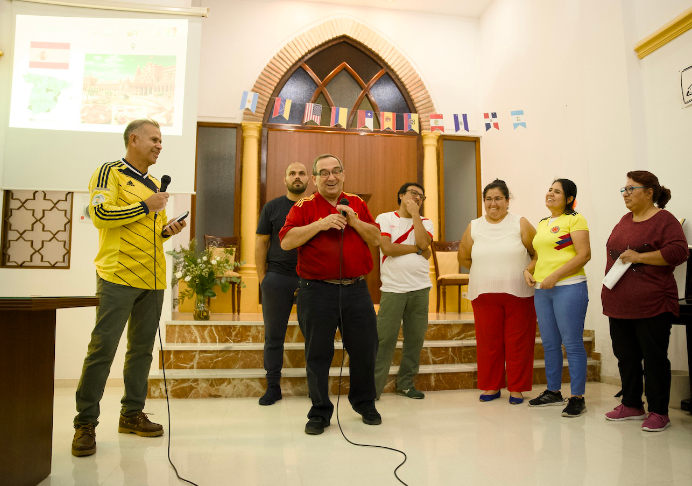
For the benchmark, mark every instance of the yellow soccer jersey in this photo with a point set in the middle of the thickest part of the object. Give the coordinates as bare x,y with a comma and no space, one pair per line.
127,231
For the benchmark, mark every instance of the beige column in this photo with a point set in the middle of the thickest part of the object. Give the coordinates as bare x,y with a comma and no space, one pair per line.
431,208
248,216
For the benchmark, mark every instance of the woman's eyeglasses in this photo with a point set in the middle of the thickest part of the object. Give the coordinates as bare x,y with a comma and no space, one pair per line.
629,189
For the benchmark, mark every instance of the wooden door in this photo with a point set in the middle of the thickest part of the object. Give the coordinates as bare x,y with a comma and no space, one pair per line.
375,166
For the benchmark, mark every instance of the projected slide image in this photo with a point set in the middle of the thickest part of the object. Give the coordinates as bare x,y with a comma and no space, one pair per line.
120,88
92,74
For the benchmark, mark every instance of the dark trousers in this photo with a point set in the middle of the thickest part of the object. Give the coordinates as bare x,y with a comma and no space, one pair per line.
318,316
277,300
647,339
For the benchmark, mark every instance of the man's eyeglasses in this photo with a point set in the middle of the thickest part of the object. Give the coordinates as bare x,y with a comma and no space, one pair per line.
629,189
496,199
336,172
416,194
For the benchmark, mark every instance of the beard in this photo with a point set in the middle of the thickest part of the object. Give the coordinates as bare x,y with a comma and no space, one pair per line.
296,189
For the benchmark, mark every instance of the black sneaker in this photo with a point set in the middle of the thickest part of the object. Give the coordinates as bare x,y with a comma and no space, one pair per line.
575,407
271,396
547,398
316,425
411,393
370,417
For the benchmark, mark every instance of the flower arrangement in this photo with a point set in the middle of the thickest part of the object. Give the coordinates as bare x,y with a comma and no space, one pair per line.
201,271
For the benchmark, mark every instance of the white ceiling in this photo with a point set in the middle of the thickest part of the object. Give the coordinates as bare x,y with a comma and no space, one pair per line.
463,8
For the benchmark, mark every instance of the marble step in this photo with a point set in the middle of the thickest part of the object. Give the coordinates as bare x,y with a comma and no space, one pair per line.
224,328
229,383
250,355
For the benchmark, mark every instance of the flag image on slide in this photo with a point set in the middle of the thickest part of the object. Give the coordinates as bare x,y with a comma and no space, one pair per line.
282,107
387,120
313,112
437,122
249,101
339,117
461,122
491,121
365,119
411,122
49,55
518,119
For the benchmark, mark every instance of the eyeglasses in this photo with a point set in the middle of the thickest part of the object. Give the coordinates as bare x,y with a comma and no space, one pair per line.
417,194
496,199
629,189
325,173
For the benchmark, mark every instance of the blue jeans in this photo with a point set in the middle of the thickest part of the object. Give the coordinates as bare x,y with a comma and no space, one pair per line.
561,312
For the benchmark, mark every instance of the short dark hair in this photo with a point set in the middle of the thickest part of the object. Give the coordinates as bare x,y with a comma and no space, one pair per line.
497,184
325,156
404,188
569,189
661,193
134,125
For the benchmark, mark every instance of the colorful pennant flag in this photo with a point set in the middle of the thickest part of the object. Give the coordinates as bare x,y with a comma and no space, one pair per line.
339,117
249,101
437,122
282,107
387,120
491,121
411,122
518,119
461,122
365,119
313,111
49,55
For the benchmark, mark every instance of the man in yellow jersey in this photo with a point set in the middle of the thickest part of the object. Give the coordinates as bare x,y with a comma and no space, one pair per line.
129,212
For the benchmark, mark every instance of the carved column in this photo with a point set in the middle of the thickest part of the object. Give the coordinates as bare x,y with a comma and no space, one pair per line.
249,214
431,208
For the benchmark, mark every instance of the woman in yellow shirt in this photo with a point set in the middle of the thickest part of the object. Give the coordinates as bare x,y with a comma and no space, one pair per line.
561,297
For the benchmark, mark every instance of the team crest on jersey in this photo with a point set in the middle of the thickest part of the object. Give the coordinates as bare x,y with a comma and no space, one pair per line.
555,229
97,199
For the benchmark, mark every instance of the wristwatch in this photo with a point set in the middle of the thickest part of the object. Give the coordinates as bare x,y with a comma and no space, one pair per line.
419,252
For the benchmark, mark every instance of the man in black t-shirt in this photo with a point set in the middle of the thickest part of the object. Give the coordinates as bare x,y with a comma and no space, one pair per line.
276,270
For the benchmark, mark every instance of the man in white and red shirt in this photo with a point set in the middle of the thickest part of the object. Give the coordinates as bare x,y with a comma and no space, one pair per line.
404,252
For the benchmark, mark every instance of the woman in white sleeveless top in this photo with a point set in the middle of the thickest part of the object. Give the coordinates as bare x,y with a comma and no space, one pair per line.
497,248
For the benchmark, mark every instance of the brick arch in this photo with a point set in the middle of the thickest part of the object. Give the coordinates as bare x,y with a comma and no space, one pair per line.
331,29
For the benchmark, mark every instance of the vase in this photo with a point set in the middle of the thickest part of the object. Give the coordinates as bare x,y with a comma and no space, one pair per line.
201,310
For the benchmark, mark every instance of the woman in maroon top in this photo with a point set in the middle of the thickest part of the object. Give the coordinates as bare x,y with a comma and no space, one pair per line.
642,303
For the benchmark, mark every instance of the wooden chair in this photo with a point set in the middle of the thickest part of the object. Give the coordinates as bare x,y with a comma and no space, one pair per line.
228,242
447,270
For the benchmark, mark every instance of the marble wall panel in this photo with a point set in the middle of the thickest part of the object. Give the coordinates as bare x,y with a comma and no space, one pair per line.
456,331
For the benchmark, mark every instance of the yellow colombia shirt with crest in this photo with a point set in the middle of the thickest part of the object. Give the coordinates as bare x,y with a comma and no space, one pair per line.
127,230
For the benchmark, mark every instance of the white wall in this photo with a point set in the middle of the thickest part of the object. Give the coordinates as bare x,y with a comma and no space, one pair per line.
240,37
571,67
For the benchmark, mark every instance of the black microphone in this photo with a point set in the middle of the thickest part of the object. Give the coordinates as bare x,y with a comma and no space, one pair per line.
343,202
165,180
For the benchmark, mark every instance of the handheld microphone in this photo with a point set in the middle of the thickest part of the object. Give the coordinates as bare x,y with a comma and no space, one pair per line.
165,180
343,202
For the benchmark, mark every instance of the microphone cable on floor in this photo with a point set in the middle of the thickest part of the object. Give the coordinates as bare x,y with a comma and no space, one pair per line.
163,361
341,370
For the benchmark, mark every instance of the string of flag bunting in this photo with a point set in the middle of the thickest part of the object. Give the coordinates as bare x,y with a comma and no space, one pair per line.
411,121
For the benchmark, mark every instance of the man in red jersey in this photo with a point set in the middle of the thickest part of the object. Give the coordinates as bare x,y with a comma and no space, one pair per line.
333,293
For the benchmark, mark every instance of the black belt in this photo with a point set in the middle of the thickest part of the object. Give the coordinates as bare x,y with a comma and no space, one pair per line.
345,281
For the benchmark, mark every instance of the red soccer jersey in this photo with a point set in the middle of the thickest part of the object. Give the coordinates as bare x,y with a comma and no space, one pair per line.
318,259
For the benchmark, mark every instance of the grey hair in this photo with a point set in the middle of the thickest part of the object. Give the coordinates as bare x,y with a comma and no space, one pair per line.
325,156
135,125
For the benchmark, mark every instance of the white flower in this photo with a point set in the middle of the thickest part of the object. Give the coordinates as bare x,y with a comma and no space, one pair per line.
199,261
179,275
187,279
215,262
204,258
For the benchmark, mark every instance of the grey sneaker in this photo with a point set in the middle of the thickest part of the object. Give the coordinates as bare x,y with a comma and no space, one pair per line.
546,399
411,393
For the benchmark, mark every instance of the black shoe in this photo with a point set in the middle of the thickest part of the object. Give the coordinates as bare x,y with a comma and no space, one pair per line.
575,407
271,396
547,398
370,417
316,425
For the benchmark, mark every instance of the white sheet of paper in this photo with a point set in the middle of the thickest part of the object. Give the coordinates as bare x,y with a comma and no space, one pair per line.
616,271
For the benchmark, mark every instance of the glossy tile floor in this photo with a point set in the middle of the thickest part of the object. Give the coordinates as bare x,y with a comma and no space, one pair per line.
450,438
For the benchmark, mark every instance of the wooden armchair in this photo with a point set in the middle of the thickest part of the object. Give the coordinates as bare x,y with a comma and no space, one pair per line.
228,242
447,270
